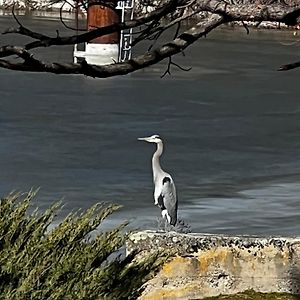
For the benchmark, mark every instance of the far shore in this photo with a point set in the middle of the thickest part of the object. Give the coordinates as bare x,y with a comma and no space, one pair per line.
51,14
54,13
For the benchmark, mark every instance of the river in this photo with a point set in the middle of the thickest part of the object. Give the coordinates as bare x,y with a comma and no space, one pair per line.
231,127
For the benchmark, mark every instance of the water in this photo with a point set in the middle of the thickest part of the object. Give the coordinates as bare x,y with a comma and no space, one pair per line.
231,127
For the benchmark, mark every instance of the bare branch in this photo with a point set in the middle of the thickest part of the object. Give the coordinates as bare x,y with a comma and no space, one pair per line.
181,68
62,20
45,41
254,12
231,12
20,52
157,31
14,15
177,30
158,34
167,14
24,31
167,72
180,43
289,66
171,63
246,27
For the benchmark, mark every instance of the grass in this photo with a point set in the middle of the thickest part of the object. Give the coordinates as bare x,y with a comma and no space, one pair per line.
252,295
65,263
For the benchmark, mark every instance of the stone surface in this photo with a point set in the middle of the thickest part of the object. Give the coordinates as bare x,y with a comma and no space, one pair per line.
208,265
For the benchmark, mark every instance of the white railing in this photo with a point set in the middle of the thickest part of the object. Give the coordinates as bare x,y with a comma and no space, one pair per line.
126,7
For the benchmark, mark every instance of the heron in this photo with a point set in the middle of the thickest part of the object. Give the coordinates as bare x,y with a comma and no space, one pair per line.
164,187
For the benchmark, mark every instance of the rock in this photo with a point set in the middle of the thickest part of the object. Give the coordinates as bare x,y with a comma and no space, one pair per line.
208,265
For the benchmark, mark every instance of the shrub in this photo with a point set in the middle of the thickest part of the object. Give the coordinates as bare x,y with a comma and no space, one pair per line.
65,262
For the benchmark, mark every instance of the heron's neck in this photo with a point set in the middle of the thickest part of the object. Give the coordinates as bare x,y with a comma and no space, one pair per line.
155,160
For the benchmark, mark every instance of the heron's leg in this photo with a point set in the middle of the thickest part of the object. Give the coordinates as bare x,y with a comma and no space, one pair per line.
166,225
160,224
167,220
164,214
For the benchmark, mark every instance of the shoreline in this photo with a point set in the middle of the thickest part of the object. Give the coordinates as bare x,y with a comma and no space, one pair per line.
54,13
47,14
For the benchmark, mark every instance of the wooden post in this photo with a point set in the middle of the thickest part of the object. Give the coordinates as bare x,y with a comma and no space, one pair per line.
105,49
99,15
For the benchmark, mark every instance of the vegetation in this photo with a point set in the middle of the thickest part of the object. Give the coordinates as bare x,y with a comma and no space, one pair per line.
66,262
252,295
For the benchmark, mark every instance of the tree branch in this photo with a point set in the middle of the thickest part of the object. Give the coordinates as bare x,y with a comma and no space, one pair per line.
142,61
252,12
157,31
232,12
289,66
45,41
171,12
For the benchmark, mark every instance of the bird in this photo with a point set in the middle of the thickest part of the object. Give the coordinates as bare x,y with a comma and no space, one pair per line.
164,188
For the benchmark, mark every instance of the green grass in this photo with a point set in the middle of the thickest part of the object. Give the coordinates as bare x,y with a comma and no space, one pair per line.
65,263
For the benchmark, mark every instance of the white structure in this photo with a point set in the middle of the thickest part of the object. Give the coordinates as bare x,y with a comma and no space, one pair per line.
98,54
103,54
126,8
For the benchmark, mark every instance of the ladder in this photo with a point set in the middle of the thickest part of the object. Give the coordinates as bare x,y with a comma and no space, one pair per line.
126,7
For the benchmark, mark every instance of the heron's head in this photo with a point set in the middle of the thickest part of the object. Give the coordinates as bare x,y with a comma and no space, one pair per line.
155,138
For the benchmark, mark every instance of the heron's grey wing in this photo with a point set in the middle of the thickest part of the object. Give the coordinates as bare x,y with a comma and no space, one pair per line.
169,198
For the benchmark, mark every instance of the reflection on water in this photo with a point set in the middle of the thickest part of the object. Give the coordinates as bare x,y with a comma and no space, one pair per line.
231,126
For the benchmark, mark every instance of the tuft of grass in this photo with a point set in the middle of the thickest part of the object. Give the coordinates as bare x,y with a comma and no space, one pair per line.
65,263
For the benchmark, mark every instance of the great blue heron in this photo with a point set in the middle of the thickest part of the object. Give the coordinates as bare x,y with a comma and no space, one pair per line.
164,187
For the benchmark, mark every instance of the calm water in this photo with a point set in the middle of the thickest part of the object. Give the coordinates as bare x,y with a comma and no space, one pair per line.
231,127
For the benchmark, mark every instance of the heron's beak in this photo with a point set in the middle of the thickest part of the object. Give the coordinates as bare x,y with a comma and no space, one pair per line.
146,139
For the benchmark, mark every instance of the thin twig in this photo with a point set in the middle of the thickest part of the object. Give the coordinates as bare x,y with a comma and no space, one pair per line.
156,32
181,68
63,22
167,71
155,40
246,27
177,30
14,16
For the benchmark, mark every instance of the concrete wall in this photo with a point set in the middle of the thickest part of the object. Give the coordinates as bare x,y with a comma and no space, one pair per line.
209,265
